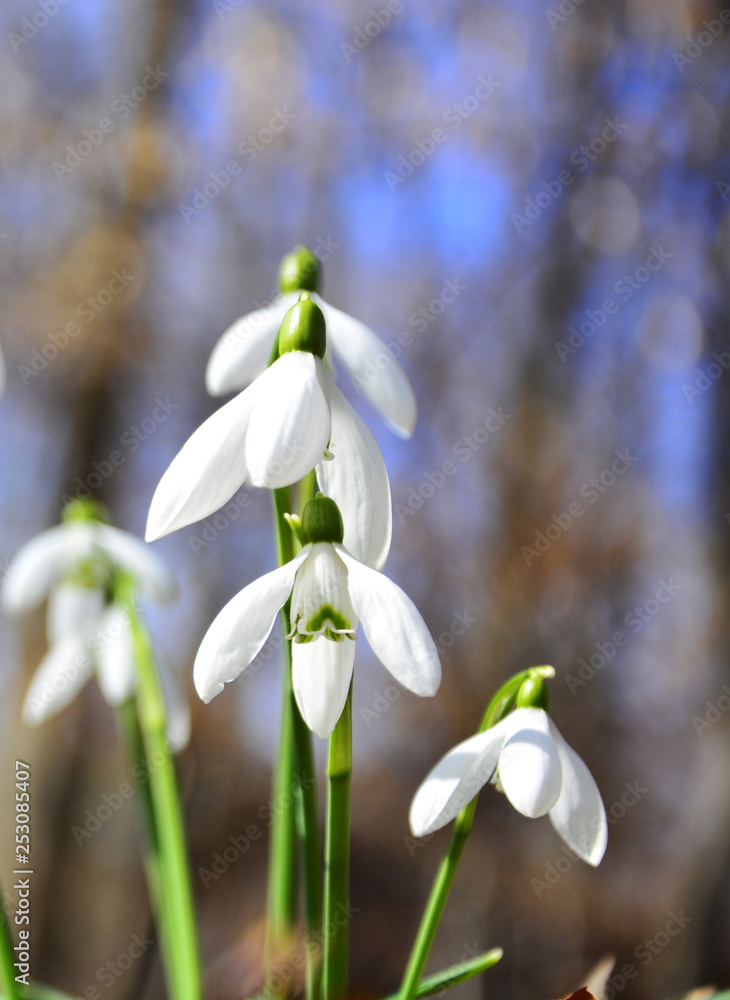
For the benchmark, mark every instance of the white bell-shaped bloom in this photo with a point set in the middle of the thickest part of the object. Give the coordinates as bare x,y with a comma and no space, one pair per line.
538,772
54,554
290,420
73,565
331,593
243,351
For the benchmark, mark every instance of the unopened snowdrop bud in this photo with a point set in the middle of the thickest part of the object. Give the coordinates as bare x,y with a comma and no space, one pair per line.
322,521
85,510
303,328
534,694
300,271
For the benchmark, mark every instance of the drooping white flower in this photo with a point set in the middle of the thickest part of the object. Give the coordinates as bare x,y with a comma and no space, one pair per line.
536,769
290,420
243,350
331,593
74,566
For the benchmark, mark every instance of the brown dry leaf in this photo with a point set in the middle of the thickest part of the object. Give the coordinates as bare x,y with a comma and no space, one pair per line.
597,979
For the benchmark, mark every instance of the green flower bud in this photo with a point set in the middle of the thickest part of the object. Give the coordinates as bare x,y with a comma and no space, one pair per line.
303,328
533,694
85,510
300,270
322,521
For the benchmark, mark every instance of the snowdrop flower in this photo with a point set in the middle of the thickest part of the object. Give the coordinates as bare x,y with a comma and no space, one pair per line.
243,350
75,565
292,419
331,592
536,769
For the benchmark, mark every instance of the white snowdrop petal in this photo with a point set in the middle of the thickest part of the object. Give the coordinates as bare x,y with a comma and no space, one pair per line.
63,671
207,470
321,674
243,351
72,610
455,780
290,423
394,628
357,480
378,375
41,562
242,627
153,576
529,767
113,648
579,816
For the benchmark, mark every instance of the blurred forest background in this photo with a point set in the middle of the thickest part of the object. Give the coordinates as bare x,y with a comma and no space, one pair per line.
557,256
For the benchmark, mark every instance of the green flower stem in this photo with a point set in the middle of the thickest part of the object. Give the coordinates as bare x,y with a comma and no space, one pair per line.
295,769
11,990
455,974
436,903
309,814
282,890
174,874
131,736
308,827
337,857
282,898
502,702
307,489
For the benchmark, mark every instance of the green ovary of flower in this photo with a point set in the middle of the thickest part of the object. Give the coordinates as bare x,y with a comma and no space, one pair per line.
533,694
303,328
85,510
322,521
300,271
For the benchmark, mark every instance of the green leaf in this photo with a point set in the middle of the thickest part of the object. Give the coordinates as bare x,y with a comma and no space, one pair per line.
455,974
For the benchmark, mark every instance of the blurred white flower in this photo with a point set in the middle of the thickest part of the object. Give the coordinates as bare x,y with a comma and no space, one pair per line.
74,566
331,592
290,420
538,772
243,350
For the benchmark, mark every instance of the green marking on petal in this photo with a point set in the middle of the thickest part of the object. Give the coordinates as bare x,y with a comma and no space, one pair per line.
94,574
336,621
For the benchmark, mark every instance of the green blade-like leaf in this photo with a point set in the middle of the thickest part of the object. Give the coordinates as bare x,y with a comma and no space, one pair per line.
455,974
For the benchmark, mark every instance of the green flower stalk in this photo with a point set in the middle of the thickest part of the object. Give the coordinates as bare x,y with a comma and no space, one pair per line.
539,773
91,572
